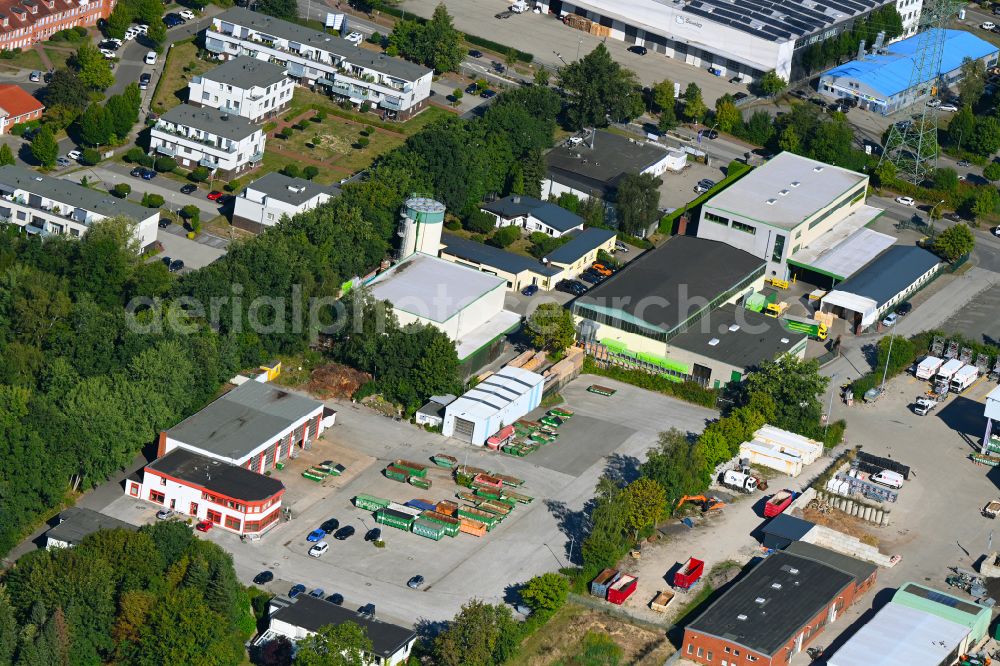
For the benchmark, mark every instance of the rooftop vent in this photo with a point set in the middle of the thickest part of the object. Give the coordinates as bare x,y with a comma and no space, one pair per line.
759,600
713,342
733,328
775,586
784,341
793,571
783,193
770,202
795,183
741,617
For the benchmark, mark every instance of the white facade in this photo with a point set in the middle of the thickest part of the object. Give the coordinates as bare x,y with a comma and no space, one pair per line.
319,59
207,137
910,11
47,206
223,89
497,401
266,200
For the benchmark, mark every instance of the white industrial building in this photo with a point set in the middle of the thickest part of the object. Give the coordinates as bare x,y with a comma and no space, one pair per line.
902,636
497,401
226,144
50,206
271,197
319,60
782,450
254,89
732,38
783,208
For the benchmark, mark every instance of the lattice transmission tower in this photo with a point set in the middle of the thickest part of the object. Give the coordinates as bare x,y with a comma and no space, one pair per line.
912,145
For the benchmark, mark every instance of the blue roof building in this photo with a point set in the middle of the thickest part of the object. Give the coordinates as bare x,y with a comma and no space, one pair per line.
881,83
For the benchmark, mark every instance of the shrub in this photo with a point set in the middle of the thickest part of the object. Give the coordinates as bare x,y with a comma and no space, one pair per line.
200,174
480,222
292,171
80,30
452,225
90,157
363,142
320,116
121,190
164,164
147,160
134,154
232,185
190,212
504,236
283,134
301,125
152,200
310,172
366,107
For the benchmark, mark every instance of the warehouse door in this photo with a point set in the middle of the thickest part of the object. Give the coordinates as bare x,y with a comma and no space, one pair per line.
464,430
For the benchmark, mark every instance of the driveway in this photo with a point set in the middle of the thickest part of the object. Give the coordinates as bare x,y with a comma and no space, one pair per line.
194,253
110,173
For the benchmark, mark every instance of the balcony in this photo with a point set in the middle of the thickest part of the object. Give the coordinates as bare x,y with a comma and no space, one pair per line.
164,150
256,157
193,139
208,163
229,109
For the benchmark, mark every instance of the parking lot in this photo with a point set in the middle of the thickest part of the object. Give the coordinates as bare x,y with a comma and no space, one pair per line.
678,188
978,319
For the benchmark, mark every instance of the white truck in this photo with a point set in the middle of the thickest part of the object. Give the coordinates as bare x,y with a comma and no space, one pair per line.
519,6
739,481
924,405
964,378
928,367
942,380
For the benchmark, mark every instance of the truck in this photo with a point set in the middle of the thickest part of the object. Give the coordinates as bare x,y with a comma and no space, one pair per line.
689,574
942,380
599,586
739,481
928,367
924,405
779,502
622,589
964,378
811,327
519,6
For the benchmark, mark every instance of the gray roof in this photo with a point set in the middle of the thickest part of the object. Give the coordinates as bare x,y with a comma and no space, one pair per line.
779,20
378,62
213,475
70,194
276,186
581,243
517,205
787,527
243,419
77,523
806,588
213,121
245,72
311,613
660,287
493,257
758,337
599,169
860,569
890,273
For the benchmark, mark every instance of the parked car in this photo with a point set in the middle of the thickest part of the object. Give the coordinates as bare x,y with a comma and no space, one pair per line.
204,526
591,278
189,188
368,610
163,223
316,535
488,94
166,261
530,290
107,53
317,592
163,514
263,577
172,20
176,265
344,533
948,107
475,53
144,80
74,154
710,134
319,549
906,201
35,76
141,29
471,89
330,526
150,58
571,287
638,50
373,534
890,320
144,173
996,231
355,38
988,25
415,582
336,599
904,308
933,103
63,162
296,590
740,95
187,15
964,163
602,270
214,195
621,247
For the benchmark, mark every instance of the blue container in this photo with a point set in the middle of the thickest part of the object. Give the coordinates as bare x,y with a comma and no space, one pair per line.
422,505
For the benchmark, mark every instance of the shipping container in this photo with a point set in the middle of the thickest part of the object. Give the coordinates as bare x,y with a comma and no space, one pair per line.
393,518
396,473
495,506
414,469
468,497
490,519
402,508
622,589
510,480
447,507
599,586
370,502
518,497
473,527
421,504
427,529
488,492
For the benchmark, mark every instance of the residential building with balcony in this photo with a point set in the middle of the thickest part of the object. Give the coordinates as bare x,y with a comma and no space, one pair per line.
26,22
397,88
44,205
222,142
247,87
273,196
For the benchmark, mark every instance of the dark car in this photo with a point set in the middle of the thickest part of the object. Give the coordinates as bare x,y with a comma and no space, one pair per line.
296,590
214,195
475,53
164,223
488,94
740,95
189,188
330,526
225,199
904,308
166,261
638,50
415,582
368,610
336,599
136,172
373,534
471,89
710,134
110,45
172,20
263,577
530,290
148,174
144,81
571,287
344,533
592,278
318,593
176,265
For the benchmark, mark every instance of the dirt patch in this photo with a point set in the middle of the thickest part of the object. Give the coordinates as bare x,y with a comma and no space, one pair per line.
336,381
332,143
840,521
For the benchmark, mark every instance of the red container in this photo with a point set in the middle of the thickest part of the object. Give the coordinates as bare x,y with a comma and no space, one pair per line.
622,589
779,502
689,574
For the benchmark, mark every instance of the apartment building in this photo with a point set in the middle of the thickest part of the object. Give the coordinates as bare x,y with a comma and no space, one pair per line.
274,195
223,142
247,87
17,106
25,22
45,206
397,88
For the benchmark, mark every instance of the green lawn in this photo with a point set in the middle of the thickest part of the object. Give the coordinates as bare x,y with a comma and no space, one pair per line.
304,99
27,59
172,88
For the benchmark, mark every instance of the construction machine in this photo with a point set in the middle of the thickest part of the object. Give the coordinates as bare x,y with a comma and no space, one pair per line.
706,503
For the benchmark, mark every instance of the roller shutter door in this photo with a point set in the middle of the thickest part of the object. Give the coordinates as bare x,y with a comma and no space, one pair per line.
464,429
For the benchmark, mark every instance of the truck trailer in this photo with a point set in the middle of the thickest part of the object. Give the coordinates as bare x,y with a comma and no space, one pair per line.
928,367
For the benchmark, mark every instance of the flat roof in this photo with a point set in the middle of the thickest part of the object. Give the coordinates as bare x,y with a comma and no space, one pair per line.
493,257
582,242
501,323
495,393
890,273
216,476
396,67
890,73
993,404
838,256
246,72
786,526
237,423
860,569
69,193
900,636
665,286
792,591
942,604
756,338
205,118
293,191
311,614
77,522
602,166
785,191
432,288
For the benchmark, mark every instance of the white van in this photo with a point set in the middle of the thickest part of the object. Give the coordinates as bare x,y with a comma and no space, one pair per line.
887,478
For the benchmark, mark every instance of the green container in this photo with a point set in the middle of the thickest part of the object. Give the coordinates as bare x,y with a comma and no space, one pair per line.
396,474
370,502
426,528
506,501
312,477
411,468
450,525
488,493
490,519
394,519
493,511
518,497
423,484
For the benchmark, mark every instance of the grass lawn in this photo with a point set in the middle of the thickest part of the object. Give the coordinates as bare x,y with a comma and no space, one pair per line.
59,55
27,59
304,99
172,88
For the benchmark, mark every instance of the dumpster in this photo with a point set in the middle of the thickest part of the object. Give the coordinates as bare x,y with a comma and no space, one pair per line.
599,586
444,460
412,468
449,524
402,508
394,518
370,502
396,473
489,519
622,589
417,482
473,527
602,390
509,480
447,507
689,574
421,504
425,528
469,497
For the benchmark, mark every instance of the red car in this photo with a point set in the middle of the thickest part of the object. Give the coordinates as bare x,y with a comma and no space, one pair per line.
214,195
204,526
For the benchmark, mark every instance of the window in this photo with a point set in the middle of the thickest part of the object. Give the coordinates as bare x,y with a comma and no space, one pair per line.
701,652
690,648
746,228
750,657
736,652
134,490
214,516
779,248
156,496
232,523
163,480
709,656
718,219
726,650
193,510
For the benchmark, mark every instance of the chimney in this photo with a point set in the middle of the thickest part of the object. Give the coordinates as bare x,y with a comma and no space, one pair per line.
516,198
861,50
161,446
878,41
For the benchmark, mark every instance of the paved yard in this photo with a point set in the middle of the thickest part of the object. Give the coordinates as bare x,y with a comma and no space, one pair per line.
978,319
678,188
193,253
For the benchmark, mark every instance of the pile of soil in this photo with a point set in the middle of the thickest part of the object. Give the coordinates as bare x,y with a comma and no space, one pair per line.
840,521
336,381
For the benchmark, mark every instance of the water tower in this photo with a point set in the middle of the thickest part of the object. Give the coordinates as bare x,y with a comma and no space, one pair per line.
420,226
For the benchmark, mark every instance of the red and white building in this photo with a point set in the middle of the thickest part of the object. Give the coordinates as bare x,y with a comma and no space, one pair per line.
255,426
25,22
17,106
233,498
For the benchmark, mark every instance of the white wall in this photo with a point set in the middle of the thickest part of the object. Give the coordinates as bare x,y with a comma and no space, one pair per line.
205,92
295,633
258,207
189,150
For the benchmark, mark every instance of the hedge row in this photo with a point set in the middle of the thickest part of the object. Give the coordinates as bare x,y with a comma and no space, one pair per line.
687,391
734,172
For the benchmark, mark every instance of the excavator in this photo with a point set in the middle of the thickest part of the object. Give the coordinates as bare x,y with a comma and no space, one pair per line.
706,503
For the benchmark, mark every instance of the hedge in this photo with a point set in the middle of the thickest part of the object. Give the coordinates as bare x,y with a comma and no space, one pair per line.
734,172
687,391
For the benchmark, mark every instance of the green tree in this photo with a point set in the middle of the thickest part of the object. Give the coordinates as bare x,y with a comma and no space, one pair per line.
638,202
346,644
546,593
310,172
991,171
760,128
44,147
122,114
885,173
972,82
663,96
92,67
283,9
794,386
599,88
945,179
479,222
65,89
789,140
505,236
90,156
119,21
646,500
694,105
164,164
456,95
954,242
771,83
606,542
157,35
444,40
6,156
961,126
542,77
985,138
121,190
96,126
677,464
150,200
8,629
551,327
199,174
727,115
480,635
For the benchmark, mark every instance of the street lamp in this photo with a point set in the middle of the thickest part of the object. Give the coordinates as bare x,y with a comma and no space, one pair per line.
931,216
887,357
578,45
959,146
829,410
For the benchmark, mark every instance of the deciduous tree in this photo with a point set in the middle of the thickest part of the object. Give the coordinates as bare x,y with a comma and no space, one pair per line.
955,241
44,147
480,635
334,645
600,89
546,593
92,67
646,500
638,202
694,105
551,327
6,155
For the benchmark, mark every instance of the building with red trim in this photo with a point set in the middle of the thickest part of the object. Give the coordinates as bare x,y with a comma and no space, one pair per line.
255,426
25,22
17,105
204,488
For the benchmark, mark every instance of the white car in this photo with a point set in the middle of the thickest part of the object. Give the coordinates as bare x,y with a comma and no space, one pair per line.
108,53
74,154
130,35
355,38
906,201
996,231
187,15
933,103
319,549
142,28
151,58
890,320
988,25
948,107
